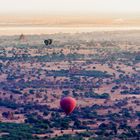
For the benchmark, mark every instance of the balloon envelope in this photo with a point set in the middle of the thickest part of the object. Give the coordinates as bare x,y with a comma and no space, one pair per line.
48,42
68,104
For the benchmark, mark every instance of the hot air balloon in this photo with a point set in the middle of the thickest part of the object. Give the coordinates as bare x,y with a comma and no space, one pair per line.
48,42
68,104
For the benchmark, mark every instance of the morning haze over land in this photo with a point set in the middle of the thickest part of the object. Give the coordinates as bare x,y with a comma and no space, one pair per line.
70,13
69,69
37,17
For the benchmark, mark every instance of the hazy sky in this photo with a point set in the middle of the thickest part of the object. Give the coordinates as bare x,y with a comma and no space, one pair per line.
120,10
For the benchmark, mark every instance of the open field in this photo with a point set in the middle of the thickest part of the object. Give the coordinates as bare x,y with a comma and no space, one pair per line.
101,70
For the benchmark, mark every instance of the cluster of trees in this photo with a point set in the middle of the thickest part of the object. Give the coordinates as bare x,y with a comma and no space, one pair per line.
97,74
17,131
97,96
9,104
133,91
68,137
43,58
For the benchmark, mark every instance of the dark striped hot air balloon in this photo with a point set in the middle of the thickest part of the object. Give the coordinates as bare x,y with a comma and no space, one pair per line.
48,42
